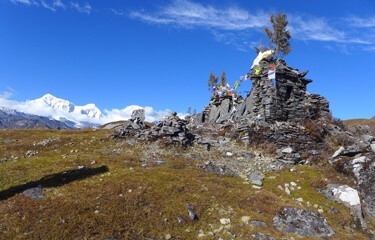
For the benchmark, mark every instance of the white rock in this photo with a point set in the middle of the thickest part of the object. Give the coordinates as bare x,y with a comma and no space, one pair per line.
201,233
287,190
287,150
293,184
229,154
299,199
245,219
346,195
373,147
225,221
168,236
359,160
338,152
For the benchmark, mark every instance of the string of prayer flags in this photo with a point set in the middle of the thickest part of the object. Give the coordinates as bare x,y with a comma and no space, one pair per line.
271,74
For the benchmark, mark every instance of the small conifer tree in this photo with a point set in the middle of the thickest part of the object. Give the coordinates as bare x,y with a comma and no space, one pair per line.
223,79
212,81
279,36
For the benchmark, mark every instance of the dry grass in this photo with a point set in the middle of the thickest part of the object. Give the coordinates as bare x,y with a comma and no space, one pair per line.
134,202
370,122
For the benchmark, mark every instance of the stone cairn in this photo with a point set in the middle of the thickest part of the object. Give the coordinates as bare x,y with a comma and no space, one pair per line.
172,129
284,100
134,125
271,113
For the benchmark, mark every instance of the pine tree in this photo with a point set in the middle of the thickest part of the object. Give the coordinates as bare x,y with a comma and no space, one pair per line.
279,37
212,81
223,79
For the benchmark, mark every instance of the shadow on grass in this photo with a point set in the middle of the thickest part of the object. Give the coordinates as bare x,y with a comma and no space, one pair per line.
54,180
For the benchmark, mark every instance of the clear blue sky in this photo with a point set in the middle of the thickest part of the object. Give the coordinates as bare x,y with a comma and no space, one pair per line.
160,53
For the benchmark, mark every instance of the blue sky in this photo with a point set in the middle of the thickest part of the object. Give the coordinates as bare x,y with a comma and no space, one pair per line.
160,53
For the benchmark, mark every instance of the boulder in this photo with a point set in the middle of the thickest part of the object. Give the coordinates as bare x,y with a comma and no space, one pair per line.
302,222
138,114
256,178
349,197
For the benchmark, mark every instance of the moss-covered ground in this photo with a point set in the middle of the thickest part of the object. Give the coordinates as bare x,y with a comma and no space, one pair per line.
131,201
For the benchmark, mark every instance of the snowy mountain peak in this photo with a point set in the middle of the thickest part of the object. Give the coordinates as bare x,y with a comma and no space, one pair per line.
90,110
56,103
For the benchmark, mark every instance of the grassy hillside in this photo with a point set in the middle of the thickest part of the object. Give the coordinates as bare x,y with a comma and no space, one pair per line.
370,122
99,188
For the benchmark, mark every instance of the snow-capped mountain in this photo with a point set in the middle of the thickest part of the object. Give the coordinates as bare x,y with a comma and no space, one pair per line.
90,110
55,103
65,106
74,116
63,110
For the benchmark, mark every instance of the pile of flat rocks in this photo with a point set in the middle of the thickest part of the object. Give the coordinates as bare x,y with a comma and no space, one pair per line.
134,125
172,129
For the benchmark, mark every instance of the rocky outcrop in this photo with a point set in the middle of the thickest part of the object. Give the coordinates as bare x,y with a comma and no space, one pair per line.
302,222
358,159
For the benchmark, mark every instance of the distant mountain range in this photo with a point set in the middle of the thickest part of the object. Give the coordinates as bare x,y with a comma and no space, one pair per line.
12,119
51,113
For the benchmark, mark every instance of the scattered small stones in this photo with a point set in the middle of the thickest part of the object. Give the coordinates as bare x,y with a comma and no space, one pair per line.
31,153
209,166
46,142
